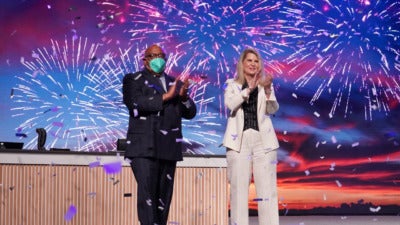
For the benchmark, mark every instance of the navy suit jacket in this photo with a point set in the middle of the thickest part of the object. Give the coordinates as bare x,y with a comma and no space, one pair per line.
155,127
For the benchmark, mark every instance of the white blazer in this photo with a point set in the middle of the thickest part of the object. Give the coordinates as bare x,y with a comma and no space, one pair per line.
234,96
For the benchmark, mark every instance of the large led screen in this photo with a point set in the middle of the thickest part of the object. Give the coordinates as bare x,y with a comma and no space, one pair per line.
335,64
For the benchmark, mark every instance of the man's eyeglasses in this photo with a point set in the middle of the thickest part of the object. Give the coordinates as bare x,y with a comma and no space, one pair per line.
153,55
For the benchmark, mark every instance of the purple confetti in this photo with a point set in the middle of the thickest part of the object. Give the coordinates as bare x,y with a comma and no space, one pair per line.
355,144
58,124
70,213
338,183
21,135
234,136
94,164
374,209
113,167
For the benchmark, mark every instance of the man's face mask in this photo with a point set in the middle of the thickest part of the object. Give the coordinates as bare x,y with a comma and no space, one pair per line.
157,65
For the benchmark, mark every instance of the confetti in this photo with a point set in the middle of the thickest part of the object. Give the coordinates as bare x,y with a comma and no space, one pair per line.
94,164
138,76
355,144
234,136
333,139
286,212
71,212
127,160
21,135
112,167
332,168
377,209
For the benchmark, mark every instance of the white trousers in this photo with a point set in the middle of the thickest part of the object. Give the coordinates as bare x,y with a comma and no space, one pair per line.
253,160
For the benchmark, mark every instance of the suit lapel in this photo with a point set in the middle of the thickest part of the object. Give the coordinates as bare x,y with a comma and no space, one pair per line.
260,98
168,81
155,83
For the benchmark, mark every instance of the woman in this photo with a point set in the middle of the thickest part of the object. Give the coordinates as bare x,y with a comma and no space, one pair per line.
251,141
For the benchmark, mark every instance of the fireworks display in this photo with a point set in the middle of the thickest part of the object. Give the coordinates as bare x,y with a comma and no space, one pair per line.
71,92
205,40
355,52
207,36
341,49
344,53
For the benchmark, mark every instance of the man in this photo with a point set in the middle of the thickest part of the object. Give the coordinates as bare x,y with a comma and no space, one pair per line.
156,104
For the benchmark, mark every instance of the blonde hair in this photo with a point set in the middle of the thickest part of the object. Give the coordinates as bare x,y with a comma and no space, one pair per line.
239,68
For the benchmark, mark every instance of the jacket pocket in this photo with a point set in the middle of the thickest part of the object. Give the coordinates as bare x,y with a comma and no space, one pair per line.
141,133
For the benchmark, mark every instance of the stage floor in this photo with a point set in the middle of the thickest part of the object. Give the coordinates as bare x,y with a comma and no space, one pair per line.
335,220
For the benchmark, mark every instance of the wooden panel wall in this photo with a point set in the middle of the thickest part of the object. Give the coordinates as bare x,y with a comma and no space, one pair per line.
42,195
